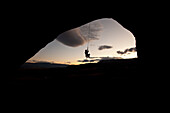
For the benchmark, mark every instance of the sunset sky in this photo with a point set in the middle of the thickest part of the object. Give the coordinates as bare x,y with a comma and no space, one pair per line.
107,38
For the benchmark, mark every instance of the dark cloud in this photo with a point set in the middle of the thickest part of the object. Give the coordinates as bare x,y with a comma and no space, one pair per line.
91,60
81,35
71,38
83,60
97,59
127,50
120,52
104,47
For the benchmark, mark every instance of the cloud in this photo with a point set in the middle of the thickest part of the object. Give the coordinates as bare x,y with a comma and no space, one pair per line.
127,50
104,47
81,35
98,59
91,60
72,38
91,31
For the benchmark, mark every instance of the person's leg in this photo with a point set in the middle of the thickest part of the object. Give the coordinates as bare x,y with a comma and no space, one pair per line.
89,55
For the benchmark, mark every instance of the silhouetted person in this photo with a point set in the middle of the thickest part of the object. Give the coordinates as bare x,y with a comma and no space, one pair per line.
87,53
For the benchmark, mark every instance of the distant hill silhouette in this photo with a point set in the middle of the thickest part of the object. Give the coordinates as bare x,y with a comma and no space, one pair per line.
42,65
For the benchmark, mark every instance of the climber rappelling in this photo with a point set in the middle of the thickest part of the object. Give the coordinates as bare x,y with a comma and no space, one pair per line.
87,54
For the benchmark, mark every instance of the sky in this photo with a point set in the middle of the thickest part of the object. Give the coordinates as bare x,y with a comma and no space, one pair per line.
105,38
